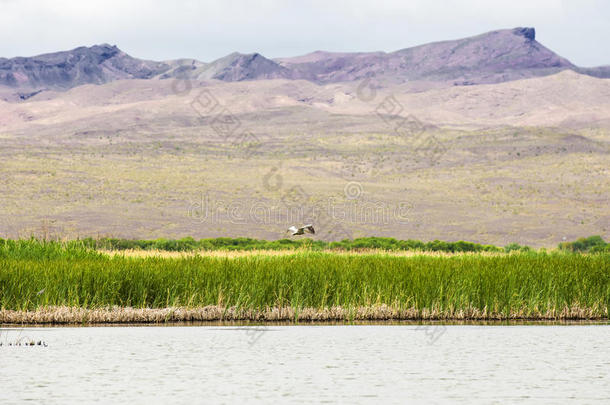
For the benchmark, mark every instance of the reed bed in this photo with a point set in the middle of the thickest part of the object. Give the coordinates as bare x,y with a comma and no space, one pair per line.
88,286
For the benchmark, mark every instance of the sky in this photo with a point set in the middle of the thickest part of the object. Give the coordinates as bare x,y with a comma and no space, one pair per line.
207,30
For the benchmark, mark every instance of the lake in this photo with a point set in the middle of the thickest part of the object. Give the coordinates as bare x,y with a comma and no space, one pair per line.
303,364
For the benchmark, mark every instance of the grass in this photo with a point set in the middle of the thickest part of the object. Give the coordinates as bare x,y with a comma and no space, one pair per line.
36,276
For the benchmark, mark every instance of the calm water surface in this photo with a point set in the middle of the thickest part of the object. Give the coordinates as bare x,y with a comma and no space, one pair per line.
303,364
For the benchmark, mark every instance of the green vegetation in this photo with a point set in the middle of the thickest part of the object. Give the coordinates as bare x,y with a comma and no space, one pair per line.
190,244
37,274
592,244
34,248
515,247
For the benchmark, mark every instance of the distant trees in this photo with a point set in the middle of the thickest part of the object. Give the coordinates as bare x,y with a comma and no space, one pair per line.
515,247
33,247
592,244
187,244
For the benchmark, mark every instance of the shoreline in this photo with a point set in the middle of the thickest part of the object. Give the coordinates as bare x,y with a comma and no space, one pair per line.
382,313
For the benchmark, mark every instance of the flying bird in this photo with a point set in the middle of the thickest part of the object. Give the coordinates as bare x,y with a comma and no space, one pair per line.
300,231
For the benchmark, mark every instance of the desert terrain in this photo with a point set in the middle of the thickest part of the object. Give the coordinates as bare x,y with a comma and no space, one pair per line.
495,160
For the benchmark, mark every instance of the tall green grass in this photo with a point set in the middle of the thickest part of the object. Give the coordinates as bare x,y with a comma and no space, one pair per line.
34,249
525,282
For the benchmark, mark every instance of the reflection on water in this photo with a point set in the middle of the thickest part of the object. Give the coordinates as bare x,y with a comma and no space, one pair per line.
322,363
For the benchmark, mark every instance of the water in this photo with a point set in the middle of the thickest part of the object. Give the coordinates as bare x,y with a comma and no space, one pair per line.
291,364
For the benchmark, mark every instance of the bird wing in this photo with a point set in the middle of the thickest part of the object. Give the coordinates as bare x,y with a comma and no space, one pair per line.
292,229
309,228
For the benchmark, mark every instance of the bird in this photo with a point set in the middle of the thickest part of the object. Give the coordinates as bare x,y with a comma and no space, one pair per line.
300,231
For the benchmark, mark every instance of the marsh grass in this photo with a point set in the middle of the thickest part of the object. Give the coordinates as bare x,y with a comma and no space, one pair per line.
304,285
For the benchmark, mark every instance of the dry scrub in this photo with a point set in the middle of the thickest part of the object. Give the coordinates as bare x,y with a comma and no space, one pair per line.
73,315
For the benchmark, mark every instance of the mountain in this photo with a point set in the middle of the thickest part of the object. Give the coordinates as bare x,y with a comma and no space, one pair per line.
180,68
231,68
237,67
493,57
602,72
84,65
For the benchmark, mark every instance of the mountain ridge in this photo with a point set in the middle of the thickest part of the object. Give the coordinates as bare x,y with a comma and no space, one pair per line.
491,57
97,64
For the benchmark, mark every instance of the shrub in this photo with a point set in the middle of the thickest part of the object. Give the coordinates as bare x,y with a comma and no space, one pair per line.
592,243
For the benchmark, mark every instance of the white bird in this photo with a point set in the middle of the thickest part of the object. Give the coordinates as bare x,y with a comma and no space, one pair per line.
300,231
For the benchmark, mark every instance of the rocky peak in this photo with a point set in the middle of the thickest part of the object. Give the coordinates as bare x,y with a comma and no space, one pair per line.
529,33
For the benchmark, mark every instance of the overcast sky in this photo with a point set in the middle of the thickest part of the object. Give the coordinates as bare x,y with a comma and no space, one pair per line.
163,29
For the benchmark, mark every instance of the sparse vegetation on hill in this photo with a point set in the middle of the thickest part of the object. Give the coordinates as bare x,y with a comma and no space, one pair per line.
142,160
